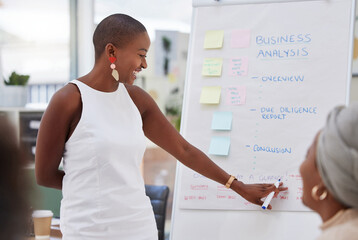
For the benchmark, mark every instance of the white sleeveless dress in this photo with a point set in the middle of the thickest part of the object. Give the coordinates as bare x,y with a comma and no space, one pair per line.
103,190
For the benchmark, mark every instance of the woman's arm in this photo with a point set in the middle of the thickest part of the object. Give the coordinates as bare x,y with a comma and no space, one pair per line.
53,132
159,130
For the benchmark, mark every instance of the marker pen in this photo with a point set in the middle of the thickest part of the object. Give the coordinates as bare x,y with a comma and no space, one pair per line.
270,196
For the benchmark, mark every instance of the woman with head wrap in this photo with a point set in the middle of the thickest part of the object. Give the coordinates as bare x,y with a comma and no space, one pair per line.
330,175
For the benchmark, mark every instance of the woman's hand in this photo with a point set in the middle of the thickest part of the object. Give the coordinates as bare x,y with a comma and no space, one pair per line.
255,192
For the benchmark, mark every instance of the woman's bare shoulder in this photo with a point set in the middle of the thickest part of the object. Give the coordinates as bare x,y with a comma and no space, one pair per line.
133,90
145,103
140,97
68,98
68,91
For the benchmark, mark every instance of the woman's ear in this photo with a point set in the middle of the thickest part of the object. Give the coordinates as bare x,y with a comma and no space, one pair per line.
110,50
319,192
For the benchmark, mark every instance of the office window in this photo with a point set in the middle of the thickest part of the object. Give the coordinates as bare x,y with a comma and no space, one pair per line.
155,14
34,40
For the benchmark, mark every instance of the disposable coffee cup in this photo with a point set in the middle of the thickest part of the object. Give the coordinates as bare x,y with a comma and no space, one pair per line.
42,223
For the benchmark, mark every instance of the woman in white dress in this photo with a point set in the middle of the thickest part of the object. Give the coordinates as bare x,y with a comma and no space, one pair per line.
98,124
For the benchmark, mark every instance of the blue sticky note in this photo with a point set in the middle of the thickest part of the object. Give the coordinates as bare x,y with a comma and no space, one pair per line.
219,146
222,121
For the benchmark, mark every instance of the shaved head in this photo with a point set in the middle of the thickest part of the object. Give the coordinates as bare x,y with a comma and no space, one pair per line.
118,29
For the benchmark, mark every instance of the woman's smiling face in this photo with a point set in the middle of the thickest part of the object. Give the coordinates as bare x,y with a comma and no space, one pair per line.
132,58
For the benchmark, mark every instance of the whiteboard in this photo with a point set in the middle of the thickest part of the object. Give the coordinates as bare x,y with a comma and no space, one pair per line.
298,68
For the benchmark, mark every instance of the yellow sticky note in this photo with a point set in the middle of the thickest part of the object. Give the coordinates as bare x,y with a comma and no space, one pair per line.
212,67
172,78
213,39
210,95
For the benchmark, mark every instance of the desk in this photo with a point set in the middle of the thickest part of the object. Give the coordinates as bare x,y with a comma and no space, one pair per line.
54,235
51,238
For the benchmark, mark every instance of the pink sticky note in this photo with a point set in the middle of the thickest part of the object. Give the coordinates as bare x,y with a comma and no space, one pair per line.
240,38
239,66
236,95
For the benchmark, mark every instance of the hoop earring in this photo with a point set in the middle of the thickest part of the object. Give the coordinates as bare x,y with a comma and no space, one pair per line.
113,67
318,197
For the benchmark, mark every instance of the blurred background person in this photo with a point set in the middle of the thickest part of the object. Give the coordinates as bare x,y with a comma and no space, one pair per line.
14,213
330,175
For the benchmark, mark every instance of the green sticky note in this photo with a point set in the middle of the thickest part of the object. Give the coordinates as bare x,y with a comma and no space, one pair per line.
213,39
212,67
219,146
210,95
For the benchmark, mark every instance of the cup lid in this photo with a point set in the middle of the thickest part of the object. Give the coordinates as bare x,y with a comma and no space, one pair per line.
42,213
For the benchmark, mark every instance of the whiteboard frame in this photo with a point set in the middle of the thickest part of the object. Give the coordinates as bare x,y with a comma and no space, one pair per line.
350,57
206,3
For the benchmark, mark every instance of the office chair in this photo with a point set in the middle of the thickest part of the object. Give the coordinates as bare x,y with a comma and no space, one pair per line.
158,196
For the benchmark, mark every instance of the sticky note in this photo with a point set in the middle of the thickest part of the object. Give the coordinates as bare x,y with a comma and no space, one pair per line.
236,95
240,38
239,66
221,121
172,78
213,39
219,146
212,67
210,95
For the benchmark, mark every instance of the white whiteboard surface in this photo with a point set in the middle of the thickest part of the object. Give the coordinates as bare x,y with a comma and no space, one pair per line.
323,67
